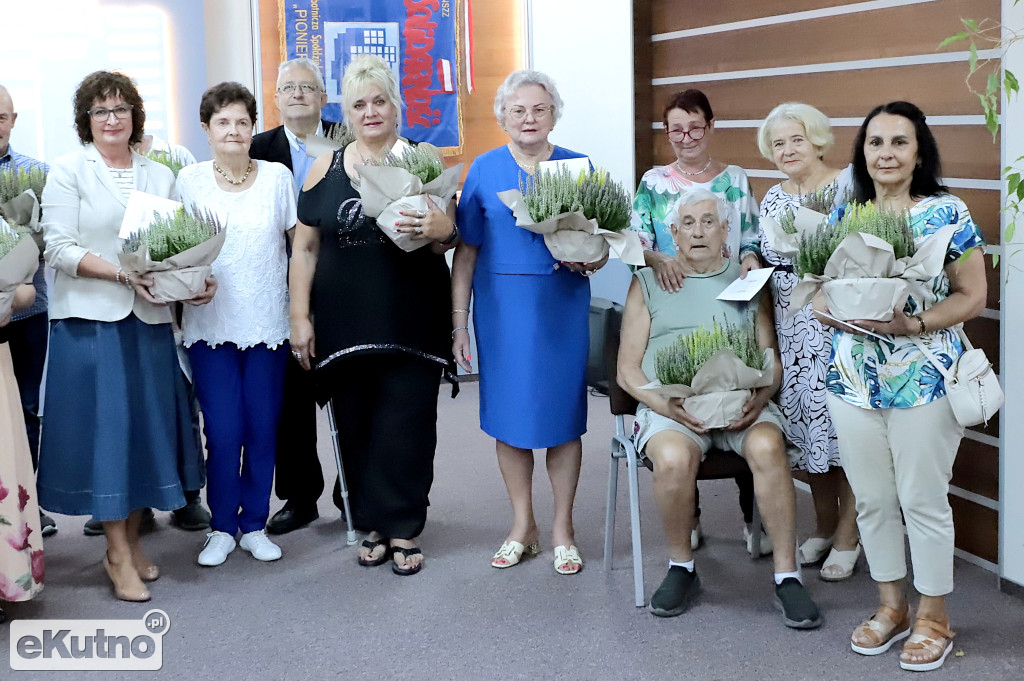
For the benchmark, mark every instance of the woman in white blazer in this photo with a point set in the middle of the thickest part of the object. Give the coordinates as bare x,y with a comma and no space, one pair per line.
118,433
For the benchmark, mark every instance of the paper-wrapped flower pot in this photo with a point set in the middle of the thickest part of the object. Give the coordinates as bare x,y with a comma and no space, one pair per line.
717,409
181,284
873,299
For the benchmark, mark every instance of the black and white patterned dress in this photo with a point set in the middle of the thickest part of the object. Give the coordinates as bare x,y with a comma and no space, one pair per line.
804,346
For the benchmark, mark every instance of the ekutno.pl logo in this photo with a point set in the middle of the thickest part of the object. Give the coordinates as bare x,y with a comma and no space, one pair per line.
89,644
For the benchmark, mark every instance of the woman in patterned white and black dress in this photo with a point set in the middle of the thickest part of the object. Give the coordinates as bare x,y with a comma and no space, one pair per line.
795,137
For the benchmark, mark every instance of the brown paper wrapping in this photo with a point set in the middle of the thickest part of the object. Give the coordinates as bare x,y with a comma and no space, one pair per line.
867,261
16,268
720,387
22,210
180,277
385,191
571,237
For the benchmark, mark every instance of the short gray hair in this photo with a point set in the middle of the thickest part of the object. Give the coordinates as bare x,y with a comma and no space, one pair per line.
365,70
694,196
302,63
518,79
817,128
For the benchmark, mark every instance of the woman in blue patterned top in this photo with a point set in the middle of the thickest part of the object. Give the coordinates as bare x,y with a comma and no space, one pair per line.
897,434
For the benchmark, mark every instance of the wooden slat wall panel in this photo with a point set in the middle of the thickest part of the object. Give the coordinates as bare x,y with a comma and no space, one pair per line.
984,334
968,151
977,469
977,528
895,32
270,59
851,96
677,15
642,94
962,148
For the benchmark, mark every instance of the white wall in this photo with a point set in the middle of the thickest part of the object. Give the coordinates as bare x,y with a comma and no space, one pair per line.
587,47
1011,501
158,43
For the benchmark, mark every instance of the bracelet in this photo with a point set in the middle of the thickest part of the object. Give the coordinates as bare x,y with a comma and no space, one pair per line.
451,237
128,279
117,275
459,328
458,311
920,321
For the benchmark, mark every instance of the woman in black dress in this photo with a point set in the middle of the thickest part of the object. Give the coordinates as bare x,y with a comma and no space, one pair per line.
373,321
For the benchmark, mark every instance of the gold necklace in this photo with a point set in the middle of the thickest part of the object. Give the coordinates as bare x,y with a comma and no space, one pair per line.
529,167
228,178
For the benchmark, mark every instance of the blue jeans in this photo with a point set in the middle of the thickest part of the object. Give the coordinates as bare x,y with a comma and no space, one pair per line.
240,393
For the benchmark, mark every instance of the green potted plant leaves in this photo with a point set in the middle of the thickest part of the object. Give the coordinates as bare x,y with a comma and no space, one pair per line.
583,217
19,259
177,249
713,371
409,178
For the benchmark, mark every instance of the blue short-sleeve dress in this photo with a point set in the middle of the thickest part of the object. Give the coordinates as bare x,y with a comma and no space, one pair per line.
530,316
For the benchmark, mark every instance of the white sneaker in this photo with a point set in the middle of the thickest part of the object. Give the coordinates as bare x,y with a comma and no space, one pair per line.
748,540
696,537
216,549
259,545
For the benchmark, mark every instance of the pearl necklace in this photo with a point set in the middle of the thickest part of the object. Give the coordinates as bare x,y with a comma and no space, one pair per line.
228,178
529,167
686,172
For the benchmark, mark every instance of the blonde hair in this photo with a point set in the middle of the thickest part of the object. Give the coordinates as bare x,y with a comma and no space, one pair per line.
816,126
363,71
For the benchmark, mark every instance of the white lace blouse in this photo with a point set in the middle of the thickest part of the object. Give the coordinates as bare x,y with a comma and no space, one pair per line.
251,304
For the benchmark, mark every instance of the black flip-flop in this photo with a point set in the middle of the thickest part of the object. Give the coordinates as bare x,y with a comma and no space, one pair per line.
405,572
372,545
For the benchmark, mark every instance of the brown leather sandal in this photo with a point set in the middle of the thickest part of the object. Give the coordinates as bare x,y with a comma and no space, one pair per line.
932,636
882,634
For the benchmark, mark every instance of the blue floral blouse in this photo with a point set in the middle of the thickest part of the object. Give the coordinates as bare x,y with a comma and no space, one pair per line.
875,374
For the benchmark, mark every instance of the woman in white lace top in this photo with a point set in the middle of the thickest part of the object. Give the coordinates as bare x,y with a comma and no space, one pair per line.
238,344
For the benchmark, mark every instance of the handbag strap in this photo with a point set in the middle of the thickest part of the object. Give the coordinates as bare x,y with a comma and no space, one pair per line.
946,373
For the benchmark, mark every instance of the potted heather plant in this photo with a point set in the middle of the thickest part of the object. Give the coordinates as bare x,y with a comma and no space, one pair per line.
19,259
583,218
409,178
169,159
336,137
784,234
20,192
713,371
177,249
864,260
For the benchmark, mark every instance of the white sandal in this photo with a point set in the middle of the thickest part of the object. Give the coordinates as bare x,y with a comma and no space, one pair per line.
813,550
511,552
567,560
842,562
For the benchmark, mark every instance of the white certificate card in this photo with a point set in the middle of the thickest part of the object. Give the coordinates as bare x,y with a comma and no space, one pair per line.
743,290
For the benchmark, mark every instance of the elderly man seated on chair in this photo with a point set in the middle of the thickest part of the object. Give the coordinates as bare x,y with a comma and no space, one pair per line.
675,441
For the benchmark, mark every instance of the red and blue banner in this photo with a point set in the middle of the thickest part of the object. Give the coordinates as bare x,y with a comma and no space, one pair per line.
417,38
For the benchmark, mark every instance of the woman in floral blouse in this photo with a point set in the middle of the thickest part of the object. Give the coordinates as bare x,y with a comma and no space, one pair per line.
897,433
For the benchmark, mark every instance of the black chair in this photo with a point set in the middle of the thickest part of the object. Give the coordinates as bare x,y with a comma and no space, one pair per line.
606,321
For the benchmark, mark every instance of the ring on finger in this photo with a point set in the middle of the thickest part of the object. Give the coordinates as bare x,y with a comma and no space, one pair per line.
421,213
419,231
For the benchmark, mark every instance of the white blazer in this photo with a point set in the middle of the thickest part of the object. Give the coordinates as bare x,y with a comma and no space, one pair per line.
82,212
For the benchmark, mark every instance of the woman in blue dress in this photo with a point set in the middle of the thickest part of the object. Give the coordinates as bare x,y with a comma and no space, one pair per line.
530,320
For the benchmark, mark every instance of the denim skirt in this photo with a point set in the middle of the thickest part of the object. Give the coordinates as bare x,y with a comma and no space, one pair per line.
117,429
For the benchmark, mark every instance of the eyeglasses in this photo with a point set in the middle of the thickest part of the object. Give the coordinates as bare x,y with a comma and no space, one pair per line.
120,112
304,88
518,113
678,135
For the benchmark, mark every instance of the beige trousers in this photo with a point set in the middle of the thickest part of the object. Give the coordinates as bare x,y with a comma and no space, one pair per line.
902,459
